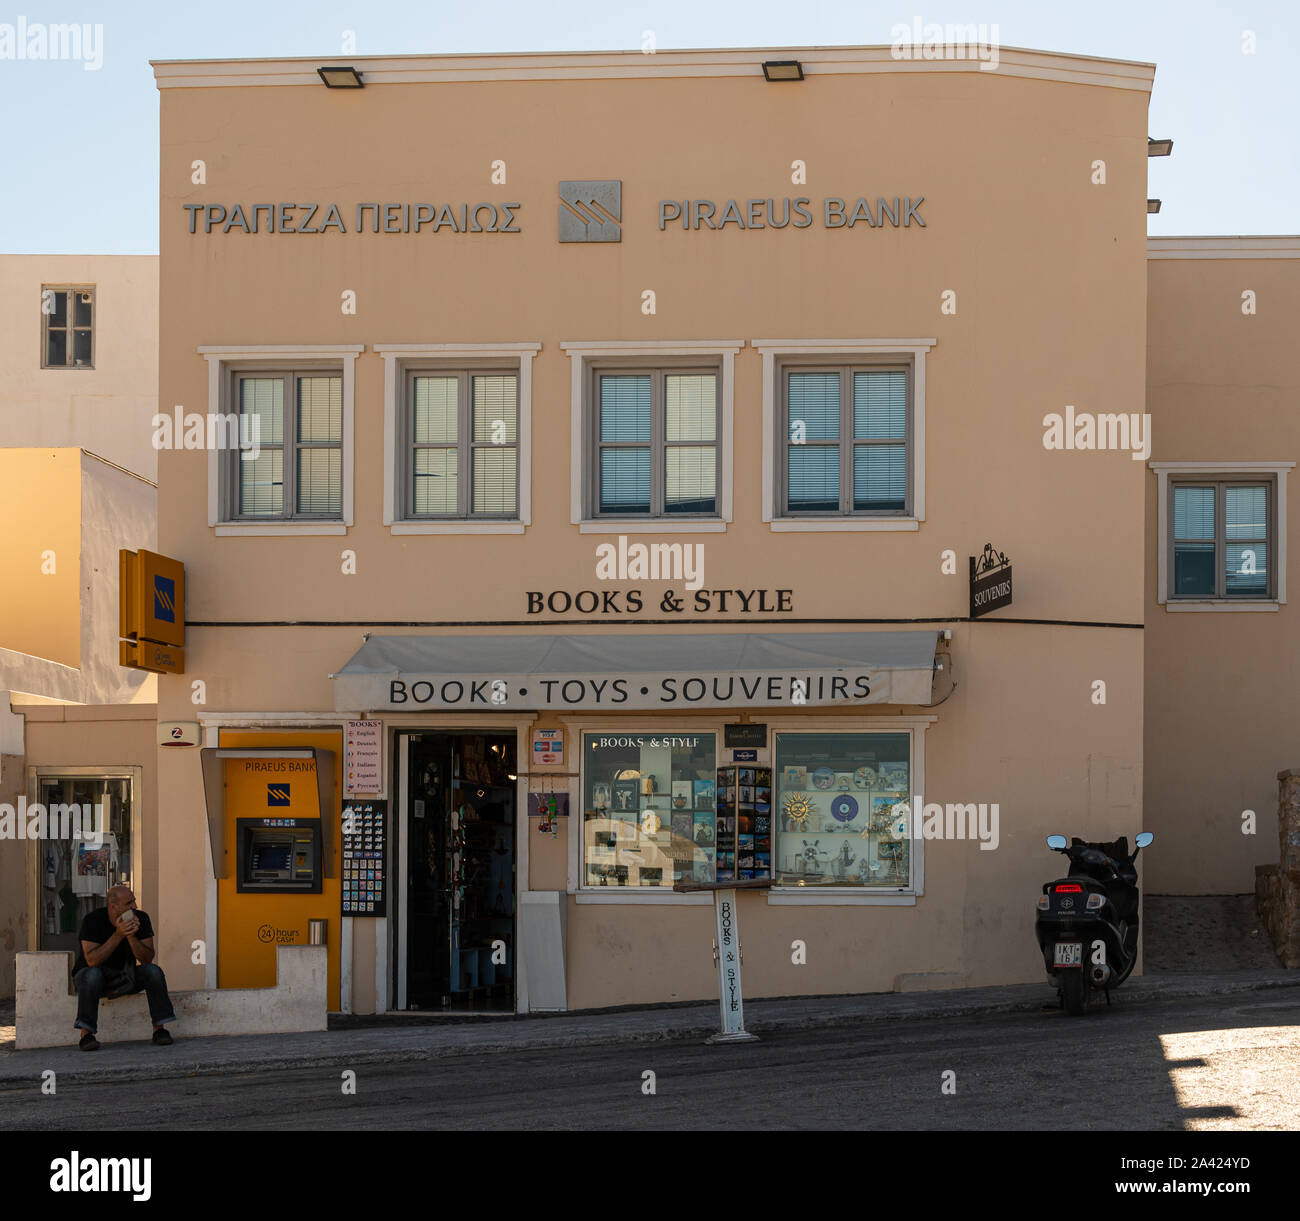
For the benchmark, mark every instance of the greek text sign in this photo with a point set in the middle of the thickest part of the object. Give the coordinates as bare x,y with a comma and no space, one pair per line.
482,217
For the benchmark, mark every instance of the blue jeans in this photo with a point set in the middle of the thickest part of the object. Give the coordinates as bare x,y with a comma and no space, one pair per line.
89,982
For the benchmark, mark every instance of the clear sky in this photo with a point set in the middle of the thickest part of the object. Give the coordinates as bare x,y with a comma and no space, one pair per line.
79,167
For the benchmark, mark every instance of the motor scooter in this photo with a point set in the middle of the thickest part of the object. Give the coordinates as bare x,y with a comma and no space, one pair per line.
1087,923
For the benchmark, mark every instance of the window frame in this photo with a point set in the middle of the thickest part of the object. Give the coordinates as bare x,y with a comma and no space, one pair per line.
846,442
658,444
1219,488
273,358
398,357
859,894
69,328
1202,474
580,731
464,445
289,447
778,353
777,896
134,775
582,355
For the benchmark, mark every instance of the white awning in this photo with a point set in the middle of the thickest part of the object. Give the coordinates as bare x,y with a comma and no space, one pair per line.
661,671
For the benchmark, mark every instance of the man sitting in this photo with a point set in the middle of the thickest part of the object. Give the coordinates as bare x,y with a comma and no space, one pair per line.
117,959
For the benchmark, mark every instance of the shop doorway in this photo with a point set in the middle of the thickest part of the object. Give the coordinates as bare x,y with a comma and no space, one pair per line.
88,845
456,936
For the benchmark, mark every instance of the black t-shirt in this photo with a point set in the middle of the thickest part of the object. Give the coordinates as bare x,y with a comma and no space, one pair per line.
97,928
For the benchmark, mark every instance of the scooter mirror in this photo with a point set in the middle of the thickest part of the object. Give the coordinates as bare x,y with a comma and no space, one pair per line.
1057,842
1144,839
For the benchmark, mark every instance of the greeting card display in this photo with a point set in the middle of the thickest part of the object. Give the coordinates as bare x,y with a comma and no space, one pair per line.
744,830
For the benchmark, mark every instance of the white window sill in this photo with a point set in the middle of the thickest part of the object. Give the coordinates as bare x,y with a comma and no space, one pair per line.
456,527
660,525
1221,605
655,895
813,525
235,530
832,896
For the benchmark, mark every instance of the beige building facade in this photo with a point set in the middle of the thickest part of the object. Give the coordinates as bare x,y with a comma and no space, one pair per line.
652,302
78,392
80,362
1223,387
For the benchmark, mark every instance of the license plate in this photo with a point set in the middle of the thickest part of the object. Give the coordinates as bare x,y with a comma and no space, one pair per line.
1068,954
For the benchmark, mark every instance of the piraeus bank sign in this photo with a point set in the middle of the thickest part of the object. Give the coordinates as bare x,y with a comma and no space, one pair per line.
588,210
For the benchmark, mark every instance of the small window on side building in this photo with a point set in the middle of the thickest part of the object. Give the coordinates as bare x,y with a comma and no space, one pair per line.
67,326
1222,540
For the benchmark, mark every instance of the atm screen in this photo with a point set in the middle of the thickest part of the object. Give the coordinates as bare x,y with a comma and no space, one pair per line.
279,859
271,858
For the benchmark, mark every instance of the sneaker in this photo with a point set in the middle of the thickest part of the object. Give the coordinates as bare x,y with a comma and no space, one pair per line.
88,1042
160,1037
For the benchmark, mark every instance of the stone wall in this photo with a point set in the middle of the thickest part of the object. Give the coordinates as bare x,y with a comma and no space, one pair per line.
1277,887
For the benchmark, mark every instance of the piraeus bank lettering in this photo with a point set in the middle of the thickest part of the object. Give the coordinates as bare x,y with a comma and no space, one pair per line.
836,213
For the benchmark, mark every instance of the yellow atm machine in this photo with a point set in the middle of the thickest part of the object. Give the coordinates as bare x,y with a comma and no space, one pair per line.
273,810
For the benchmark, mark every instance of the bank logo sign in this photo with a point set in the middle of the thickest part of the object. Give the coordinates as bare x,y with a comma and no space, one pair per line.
591,210
277,795
164,599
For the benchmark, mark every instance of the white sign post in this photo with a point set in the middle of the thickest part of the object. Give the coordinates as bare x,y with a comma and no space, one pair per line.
726,954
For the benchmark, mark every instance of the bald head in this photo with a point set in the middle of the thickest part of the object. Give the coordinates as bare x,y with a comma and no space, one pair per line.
119,899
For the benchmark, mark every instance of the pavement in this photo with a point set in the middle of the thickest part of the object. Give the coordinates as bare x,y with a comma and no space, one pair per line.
397,1041
1182,933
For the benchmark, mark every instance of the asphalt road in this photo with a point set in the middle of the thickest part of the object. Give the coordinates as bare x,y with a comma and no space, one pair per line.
1225,1063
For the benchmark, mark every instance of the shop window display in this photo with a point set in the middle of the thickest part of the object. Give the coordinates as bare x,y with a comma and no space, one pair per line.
744,823
649,808
841,810
75,872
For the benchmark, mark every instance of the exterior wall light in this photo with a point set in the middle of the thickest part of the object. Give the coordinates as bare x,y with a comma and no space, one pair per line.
340,78
1159,148
1153,205
783,70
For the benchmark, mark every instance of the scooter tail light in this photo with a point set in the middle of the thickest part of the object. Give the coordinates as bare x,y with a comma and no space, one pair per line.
1044,903
1095,902
1070,888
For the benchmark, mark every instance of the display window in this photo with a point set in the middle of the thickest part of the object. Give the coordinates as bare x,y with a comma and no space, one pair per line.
649,808
842,810
76,872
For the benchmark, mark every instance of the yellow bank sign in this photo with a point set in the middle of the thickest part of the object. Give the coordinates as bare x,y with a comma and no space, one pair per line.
151,612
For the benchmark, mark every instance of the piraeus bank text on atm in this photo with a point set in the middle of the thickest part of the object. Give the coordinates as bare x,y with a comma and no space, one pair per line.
833,211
